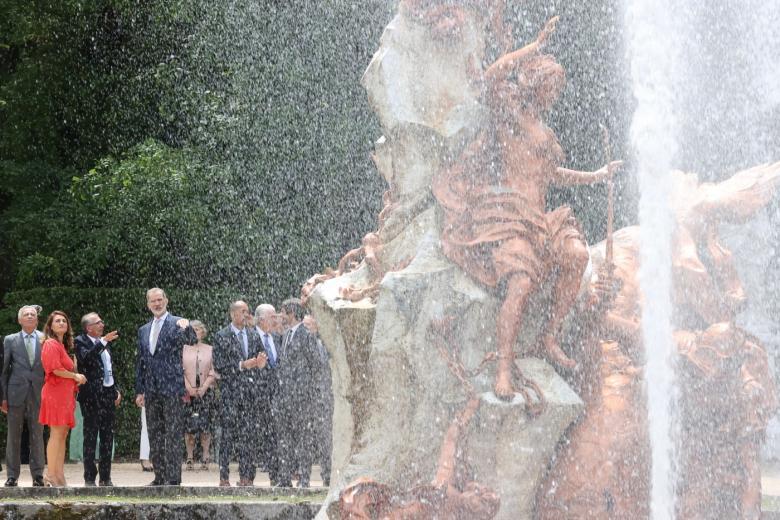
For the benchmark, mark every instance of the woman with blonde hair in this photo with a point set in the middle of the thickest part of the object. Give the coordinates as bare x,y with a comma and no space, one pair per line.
58,395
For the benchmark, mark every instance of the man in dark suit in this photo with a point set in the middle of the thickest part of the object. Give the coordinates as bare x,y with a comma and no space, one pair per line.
298,391
239,359
270,426
98,398
159,385
324,407
22,380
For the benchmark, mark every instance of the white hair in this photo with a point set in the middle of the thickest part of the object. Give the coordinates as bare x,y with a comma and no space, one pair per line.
36,308
263,310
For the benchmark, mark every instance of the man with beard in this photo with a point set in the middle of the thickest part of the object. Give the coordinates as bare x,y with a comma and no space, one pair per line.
159,385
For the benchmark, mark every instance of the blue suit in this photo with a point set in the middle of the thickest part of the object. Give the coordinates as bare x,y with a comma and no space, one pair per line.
160,378
162,373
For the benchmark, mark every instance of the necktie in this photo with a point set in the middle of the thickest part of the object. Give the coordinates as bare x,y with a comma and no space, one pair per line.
269,351
155,334
243,343
28,342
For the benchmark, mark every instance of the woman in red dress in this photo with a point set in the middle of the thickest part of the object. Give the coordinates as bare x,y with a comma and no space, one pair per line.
58,396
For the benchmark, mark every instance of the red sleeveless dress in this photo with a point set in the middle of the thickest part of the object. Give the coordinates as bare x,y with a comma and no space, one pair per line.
58,396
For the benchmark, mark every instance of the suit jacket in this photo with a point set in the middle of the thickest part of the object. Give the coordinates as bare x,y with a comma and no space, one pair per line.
19,379
162,373
299,376
270,380
236,384
90,363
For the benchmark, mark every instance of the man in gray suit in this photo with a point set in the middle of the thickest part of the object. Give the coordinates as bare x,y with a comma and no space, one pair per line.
22,379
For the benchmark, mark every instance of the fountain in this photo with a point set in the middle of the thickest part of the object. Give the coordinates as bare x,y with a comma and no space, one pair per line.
486,362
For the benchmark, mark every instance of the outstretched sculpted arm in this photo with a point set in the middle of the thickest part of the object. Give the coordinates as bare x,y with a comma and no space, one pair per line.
507,63
352,256
567,177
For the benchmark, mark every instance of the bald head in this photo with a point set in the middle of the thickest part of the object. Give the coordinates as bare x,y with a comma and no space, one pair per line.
239,313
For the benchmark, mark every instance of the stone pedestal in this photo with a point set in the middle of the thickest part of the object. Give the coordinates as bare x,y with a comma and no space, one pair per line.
395,396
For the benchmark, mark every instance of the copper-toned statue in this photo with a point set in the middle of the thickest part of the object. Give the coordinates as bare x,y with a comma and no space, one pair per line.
727,398
727,395
496,227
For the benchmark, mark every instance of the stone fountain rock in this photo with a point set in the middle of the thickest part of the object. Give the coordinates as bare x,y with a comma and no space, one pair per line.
394,394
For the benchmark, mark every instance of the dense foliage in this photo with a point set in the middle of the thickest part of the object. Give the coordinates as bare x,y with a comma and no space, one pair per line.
163,144
215,148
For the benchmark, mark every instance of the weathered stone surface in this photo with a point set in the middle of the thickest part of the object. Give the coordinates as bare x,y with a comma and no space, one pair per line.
170,503
407,395
146,511
510,451
416,79
395,396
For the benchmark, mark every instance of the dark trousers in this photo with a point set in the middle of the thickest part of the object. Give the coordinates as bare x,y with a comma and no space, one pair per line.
239,421
297,445
165,422
269,435
99,418
326,443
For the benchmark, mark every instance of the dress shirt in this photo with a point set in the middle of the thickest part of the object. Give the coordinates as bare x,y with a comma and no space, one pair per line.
273,354
33,337
161,319
290,333
245,341
108,373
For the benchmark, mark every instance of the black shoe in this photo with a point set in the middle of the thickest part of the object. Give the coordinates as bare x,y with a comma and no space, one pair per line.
146,467
106,483
326,482
89,483
11,482
172,483
38,482
156,482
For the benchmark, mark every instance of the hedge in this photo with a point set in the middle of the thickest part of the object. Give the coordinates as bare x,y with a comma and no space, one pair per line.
123,310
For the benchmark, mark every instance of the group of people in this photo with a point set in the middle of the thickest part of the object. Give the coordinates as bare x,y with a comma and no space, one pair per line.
265,382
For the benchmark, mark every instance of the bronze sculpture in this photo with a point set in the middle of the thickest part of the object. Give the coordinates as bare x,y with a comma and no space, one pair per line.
720,441
495,228
495,224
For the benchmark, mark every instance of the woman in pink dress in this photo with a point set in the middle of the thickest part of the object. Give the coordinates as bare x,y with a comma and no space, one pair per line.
200,380
58,396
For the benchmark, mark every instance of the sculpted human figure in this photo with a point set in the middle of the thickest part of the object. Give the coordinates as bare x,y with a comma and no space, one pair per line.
495,223
594,474
598,471
727,396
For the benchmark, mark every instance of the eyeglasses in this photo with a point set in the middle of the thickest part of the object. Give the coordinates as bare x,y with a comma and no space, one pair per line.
99,322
